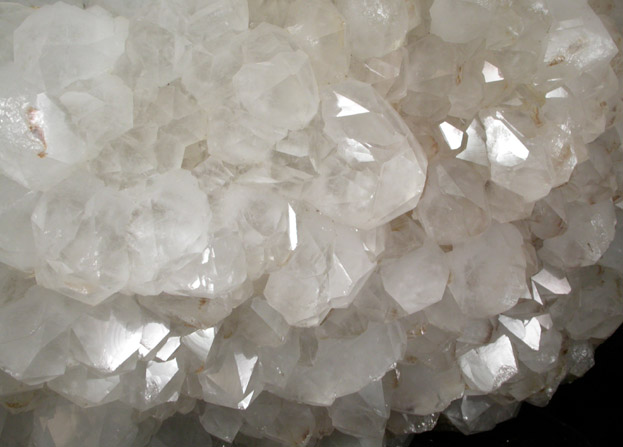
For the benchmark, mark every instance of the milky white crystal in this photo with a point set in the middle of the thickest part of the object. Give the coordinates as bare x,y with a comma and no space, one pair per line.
302,223
375,27
488,367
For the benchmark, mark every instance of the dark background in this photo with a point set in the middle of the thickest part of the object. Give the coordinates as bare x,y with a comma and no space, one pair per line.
585,413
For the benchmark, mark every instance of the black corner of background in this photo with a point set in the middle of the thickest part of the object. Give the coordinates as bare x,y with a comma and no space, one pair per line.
585,413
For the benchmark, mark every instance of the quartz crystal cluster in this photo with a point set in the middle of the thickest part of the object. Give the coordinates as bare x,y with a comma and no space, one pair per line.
302,223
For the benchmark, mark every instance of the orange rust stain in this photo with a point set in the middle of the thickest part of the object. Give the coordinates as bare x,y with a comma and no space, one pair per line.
34,125
557,60
16,405
536,118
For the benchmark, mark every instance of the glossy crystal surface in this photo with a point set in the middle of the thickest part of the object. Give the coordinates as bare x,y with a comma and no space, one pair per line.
302,223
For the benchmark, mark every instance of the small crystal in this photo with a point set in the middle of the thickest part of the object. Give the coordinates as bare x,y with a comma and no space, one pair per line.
528,332
319,29
590,230
362,414
481,282
417,279
488,367
452,135
224,423
475,18
375,27
424,390
286,79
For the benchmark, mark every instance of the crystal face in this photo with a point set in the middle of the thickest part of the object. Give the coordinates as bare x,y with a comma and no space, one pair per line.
302,223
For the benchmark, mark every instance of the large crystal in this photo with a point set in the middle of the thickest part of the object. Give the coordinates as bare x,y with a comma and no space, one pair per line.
377,169
59,44
79,231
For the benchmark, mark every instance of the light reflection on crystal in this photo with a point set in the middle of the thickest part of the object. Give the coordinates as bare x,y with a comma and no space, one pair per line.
348,107
504,147
528,331
491,72
452,135
488,367
292,222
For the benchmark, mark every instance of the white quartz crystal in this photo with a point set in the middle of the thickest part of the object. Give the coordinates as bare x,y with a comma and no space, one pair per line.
417,279
319,29
488,367
475,16
376,170
375,27
318,223
488,271
86,258
58,44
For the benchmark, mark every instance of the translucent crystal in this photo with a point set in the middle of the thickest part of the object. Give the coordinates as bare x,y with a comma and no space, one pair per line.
87,257
109,334
453,207
37,146
286,80
481,282
488,367
320,383
362,414
590,229
105,99
326,266
152,384
475,17
221,422
417,279
599,300
60,423
280,421
165,204
319,29
374,148
85,387
331,223
230,380
403,423
528,331
424,390
59,44
473,414
34,337
375,27
17,247
562,45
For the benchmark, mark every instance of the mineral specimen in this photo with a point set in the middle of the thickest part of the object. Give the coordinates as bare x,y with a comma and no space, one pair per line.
302,223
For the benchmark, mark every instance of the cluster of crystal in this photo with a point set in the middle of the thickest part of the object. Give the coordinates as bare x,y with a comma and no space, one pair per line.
302,223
